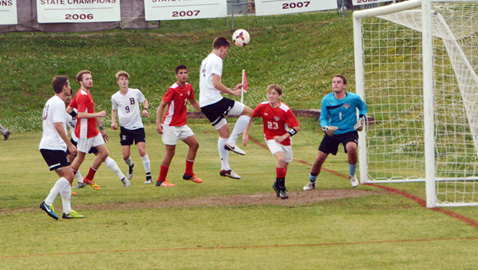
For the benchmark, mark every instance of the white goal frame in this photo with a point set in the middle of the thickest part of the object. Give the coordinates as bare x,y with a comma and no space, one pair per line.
425,8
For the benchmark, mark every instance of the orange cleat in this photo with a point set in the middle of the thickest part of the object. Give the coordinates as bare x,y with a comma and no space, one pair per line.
91,183
193,178
164,183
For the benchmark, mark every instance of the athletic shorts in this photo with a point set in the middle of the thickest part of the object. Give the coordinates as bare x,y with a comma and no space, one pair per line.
330,145
93,150
127,136
171,134
55,158
275,147
84,145
217,112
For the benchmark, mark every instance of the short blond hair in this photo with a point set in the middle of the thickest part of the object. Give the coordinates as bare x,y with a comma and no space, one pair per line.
122,73
274,87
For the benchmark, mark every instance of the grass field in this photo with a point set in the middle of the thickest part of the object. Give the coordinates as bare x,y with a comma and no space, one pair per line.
215,225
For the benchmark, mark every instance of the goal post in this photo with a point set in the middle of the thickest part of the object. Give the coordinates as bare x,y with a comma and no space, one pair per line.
416,65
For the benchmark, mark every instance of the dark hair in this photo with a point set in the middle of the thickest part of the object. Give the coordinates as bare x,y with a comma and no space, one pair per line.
274,87
221,42
342,77
180,67
58,83
79,76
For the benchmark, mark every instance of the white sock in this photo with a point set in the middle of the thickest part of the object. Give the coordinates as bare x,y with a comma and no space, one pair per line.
241,124
65,198
128,161
146,164
223,154
60,185
79,177
113,166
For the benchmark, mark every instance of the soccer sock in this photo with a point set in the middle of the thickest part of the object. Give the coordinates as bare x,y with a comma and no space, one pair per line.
163,172
280,172
313,177
128,161
352,169
223,154
241,124
74,171
189,167
280,183
65,199
146,165
60,185
113,166
91,174
78,177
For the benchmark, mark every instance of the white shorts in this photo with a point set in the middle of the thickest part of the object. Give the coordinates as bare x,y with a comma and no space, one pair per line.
171,134
84,144
275,147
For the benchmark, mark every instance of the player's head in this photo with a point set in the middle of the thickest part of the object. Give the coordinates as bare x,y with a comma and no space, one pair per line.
84,79
221,46
274,93
69,97
122,79
122,73
339,83
60,83
182,74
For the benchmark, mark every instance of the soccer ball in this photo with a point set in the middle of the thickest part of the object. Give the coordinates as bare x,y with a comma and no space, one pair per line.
241,37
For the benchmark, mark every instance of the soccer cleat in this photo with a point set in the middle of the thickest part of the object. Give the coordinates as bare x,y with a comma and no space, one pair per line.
126,182
234,149
276,189
229,173
72,214
283,194
129,175
309,186
149,180
164,183
48,208
193,178
80,185
91,183
73,193
5,137
353,181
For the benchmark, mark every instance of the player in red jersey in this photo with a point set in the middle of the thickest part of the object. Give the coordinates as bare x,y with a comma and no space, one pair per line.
277,118
173,126
86,131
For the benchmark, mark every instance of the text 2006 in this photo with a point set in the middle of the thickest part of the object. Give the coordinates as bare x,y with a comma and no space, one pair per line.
78,17
295,5
188,13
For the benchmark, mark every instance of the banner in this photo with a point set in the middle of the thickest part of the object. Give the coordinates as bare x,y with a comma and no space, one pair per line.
365,2
272,7
157,10
8,12
78,11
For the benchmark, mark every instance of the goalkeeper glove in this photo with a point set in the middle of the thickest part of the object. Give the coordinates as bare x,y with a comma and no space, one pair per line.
360,123
329,130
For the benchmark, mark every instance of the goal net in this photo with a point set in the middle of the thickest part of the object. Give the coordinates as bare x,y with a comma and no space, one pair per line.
390,67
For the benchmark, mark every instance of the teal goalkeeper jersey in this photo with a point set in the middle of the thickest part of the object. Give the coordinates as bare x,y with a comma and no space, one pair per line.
342,113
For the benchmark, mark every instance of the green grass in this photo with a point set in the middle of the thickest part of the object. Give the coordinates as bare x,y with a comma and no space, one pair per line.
130,228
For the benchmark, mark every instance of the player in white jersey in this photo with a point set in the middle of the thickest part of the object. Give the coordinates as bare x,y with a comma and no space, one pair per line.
53,145
126,105
216,107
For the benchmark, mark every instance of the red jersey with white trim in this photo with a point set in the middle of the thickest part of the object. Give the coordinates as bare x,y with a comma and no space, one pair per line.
177,97
86,127
276,120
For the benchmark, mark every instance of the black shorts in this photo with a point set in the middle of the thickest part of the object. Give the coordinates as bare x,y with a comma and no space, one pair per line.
330,145
127,136
217,111
55,158
93,150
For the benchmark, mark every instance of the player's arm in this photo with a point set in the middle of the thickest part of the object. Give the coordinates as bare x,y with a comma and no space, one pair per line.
195,103
288,134
216,79
102,129
61,131
145,108
159,116
114,125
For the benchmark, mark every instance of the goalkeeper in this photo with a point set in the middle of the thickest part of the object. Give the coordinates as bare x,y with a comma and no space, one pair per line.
338,118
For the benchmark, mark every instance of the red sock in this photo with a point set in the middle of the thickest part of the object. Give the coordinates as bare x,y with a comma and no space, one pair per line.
162,173
189,167
91,173
280,172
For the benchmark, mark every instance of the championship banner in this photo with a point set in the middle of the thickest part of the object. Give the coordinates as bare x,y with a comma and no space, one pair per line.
78,11
273,7
8,12
157,10
365,2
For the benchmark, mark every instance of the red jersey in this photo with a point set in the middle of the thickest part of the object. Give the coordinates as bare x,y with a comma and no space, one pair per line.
276,120
177,97
86,127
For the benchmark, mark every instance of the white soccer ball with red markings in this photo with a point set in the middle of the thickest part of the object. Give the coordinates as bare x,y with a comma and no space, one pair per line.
241,37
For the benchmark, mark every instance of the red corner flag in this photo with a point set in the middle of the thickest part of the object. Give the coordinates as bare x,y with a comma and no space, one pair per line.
244,80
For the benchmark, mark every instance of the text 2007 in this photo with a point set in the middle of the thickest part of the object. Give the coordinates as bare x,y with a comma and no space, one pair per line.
295,5
78,17
188,13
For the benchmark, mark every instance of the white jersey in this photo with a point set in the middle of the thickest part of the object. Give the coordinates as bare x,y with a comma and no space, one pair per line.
129,114
71,123
53,112
208,94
